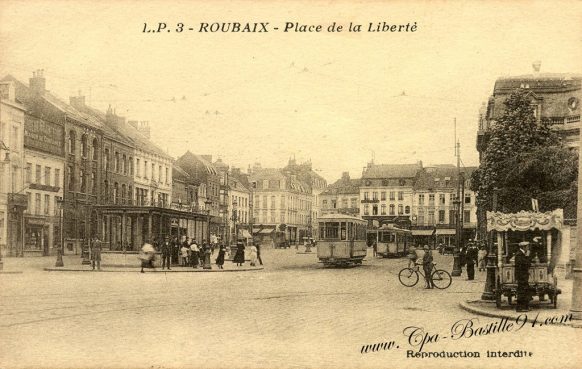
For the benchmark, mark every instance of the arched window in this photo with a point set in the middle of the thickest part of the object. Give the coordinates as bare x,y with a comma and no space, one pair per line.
130,166
116,193
130,194
71,143
83,180
117,164
123,194
106,191
84,146
124,165
95,149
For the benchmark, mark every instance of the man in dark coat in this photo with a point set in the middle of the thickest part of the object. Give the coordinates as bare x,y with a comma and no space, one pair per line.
258,252
96,253
471,259
522,264
166,250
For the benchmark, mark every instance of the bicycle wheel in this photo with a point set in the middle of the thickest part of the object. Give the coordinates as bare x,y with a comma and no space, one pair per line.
441,279
408,277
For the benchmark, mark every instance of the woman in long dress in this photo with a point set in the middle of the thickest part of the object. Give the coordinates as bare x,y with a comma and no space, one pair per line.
220,257
239,257
253,255
148,254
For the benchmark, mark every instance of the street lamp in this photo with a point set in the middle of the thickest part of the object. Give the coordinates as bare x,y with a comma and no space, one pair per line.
61,250
207,246
456,257
234,219
488,293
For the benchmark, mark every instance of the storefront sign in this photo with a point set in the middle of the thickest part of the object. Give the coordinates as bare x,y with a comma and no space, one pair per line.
43,136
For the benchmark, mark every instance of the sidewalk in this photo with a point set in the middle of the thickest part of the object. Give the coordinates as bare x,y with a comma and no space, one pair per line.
545,309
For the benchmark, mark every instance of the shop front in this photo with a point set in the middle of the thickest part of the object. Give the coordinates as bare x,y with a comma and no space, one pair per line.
38,236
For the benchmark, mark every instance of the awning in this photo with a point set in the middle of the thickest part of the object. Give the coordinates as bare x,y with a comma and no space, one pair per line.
446,232
244,233
422,232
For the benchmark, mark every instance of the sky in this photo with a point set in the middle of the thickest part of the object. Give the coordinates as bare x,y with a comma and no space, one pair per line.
337,99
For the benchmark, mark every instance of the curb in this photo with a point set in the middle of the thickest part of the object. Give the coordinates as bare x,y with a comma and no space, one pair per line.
466,305
11,272
154,271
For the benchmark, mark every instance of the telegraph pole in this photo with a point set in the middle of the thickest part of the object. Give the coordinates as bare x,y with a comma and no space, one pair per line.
458,205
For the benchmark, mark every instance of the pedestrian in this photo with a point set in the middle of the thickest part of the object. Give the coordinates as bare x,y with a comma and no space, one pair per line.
166,253
201,250
96,253
427,266
462,258
471,259
184,251
194,257
259,253
253,255
147,256
482,258
375,249
220,257
239,257
522,264
412,257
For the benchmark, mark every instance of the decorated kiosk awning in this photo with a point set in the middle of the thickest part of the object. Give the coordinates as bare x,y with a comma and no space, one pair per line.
525,221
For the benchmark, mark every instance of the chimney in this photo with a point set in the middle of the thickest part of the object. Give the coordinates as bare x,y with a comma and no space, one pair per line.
144,129
346,176
38,82
78,102
7,91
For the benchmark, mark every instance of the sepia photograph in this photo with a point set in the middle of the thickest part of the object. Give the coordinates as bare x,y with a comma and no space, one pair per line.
290,184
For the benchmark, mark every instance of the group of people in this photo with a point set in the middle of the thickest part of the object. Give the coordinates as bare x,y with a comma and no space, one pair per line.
471,255
191,254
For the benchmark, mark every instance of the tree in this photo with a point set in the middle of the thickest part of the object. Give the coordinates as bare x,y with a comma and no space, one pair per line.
525,159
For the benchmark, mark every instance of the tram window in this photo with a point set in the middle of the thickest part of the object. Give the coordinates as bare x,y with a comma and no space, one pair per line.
332,230
321,230
351,231
344,231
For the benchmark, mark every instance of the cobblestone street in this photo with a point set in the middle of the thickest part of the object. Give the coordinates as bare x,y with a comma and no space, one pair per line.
294,313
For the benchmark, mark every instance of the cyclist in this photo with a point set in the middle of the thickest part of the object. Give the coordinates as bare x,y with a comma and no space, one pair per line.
412,256
427,266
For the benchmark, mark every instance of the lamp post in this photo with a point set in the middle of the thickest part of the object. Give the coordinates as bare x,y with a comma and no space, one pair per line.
61,250
456,258
7,162
488,292
234,219
207,246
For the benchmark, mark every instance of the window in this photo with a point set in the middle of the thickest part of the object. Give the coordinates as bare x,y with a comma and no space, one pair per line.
153,175
57,177
272,202
431,199
421,217
273,217
145,169
29,202
116,163
115,193
167,176
47,203
137,167
28,173
47,176
441,199
160,174
365,195
71,143
324,204
375,210
37,204
383,195
282,201
333,204
391,209
37,176
282,216
265,203
441,216
467,216
123,168
84,146
407,210
383,209
430,217
392,195
93,183
332,230
375,195
106,159
353,203
421,199
56,206
400,195
366,209
83,180
400,208
467,198
95,149
344,203
452,216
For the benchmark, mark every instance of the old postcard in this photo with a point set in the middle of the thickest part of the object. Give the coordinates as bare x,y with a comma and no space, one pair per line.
290,184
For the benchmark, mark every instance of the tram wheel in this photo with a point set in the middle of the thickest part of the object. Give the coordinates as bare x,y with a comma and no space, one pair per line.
441,279
408,277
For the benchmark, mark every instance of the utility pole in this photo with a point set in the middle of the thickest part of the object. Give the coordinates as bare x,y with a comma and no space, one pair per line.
458,206
576,308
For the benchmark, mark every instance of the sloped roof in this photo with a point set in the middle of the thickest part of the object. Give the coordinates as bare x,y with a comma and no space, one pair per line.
266,173
391,171
108,130
239,185
181,175
435,177
343,186
190,159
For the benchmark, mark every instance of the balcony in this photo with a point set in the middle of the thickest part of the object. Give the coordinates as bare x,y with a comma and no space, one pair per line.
370,201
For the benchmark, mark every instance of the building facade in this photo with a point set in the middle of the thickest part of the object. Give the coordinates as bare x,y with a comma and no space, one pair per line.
342,196
386,193
13,203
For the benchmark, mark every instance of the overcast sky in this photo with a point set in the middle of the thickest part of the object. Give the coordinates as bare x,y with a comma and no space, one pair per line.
334,98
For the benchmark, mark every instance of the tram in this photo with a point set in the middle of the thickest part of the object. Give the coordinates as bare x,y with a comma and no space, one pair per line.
390,241
341,240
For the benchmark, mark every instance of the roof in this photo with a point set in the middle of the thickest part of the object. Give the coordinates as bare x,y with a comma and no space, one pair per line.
240,186
189,159
180,174
340,217
343,186
108,131
392,171
441,176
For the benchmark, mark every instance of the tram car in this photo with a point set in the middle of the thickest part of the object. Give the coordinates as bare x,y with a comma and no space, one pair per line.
341,240
390,241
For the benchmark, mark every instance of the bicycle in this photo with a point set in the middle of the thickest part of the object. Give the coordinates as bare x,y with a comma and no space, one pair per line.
409,277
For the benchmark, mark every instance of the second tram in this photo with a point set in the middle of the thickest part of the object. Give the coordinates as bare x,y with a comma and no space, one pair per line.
342,240
390,240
